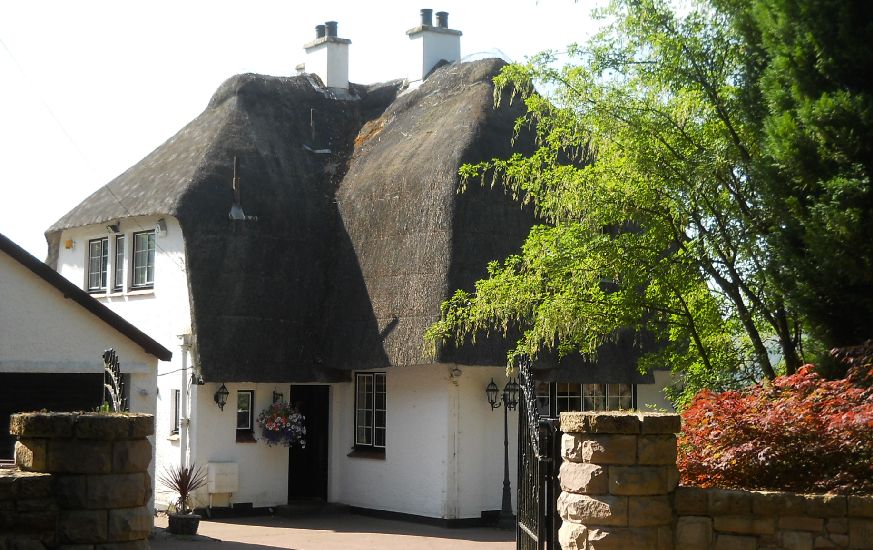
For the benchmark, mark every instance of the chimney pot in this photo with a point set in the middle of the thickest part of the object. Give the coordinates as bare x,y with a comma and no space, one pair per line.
427,17
330,28
319,31
442,19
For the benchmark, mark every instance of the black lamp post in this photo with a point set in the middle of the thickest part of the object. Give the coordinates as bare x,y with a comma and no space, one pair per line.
509,400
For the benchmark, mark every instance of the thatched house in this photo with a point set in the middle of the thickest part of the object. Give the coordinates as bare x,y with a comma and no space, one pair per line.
308,271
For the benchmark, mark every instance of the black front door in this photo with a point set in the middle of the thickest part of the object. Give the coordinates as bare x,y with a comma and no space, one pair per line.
307,468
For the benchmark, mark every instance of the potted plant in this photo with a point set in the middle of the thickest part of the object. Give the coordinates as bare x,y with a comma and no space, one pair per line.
183,481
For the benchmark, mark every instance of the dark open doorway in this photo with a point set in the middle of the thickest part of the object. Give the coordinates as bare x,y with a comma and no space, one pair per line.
307,468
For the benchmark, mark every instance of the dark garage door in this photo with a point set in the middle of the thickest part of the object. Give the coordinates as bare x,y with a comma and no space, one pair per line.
55,392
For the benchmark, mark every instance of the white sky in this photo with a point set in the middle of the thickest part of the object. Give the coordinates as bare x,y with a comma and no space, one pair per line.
89,87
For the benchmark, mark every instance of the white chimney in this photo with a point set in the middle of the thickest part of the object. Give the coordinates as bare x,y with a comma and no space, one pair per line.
328,56
432,44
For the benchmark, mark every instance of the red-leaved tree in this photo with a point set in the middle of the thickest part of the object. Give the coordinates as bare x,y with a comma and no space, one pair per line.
799,433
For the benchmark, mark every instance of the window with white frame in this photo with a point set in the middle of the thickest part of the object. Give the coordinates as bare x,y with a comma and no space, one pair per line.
370,410
584,397
98,261
177,410
143,260
118,276
245,402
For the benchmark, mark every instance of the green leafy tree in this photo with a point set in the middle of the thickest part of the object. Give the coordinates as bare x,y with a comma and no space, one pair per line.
646,175
818,85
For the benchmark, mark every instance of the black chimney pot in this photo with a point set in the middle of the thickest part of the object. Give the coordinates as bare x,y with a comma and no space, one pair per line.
330,28
319,31
427,17
442,19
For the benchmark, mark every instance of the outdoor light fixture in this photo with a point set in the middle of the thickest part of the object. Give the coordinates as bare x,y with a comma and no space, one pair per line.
197,379
221,396
112,228
161,227
509,400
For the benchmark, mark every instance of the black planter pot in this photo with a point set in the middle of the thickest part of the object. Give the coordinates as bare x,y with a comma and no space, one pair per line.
183,524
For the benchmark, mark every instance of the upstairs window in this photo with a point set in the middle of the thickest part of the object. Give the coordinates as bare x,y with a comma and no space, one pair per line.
370,411
98,260
143,260
118,279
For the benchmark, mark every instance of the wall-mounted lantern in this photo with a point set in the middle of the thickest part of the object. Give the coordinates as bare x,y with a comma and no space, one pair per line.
221,396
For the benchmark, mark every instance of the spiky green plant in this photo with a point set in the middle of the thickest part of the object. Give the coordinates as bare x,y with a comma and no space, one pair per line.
183,480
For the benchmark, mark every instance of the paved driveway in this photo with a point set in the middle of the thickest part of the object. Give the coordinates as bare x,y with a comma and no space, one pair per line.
329,531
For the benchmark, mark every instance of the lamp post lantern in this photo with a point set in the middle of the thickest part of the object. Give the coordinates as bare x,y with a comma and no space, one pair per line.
509,400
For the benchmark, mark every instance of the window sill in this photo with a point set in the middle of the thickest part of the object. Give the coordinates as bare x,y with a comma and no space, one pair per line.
378,454
139,291
245,436
173,437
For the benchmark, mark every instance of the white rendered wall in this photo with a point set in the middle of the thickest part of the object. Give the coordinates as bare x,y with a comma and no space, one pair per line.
330,61
162,312
427,48
444,446
263,470
41,331
650,397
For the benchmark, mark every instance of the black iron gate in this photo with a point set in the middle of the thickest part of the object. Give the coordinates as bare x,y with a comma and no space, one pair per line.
538,462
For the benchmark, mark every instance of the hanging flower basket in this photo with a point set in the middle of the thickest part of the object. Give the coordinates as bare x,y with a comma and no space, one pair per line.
281,424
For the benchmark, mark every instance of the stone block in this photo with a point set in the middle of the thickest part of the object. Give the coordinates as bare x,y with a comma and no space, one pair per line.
801,523
638,480
691,501
656,449
71,491
79,456
35,520
837,525
8,484
117,490
614,423
624,538
693,533
37,424
660,423
76,547
572,536
133,455
728,502
127,524
860,533
585,479
608,449
574,422
773,503
83,526
735,542
822,541
25,543
649,511
34,485
860,507
797,540
35,504
30,455
102,426
129,545
826,505
141,425
593,510
745,525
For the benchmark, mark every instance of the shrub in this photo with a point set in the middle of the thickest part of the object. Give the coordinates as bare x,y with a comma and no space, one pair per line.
799,433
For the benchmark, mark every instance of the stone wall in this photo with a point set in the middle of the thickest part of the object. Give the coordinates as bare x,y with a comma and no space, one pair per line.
619,491
716,518
80,479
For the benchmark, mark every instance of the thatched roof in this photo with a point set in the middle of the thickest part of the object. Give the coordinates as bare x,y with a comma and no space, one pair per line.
352,252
